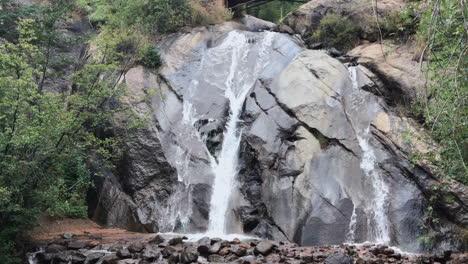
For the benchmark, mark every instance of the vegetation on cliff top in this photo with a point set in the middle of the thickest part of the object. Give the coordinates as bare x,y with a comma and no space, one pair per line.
443,104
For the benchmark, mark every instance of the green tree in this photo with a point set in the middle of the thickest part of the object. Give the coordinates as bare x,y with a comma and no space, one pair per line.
336,31
443,103
46,136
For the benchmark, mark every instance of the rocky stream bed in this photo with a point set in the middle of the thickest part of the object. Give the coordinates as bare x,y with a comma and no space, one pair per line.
155,248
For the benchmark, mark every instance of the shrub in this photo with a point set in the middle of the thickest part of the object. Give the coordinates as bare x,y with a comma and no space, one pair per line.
209,12
336,31
151,58
401,24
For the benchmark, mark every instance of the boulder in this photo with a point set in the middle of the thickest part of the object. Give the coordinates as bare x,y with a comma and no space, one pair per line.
188,257
264,247
77,245
306,19
339,258
214,249
397,67
54,248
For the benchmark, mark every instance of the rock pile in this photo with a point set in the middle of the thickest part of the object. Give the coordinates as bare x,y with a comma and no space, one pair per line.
176,249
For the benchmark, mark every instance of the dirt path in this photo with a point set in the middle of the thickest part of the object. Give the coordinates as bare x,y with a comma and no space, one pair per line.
51,229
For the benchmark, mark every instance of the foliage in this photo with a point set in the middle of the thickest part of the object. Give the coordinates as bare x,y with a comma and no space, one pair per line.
336,31
402,24
151,58
207,12
148,16
443,103
274,11
46,136
10,13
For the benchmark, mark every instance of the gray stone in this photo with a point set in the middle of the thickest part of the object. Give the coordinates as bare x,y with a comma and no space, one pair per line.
54,248
124,253
77,244
175,241
214,249
264,247
339,258
188,257
151,253
67,235
216,258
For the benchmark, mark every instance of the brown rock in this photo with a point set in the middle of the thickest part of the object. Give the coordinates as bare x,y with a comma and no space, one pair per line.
246,246
224,251
136,247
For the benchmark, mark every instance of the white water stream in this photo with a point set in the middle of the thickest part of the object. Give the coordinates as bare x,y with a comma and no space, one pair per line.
378,207
232,66
244,72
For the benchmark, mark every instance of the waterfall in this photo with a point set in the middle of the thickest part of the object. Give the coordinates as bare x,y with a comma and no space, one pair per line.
222,76
240,80
32,257
378,206
381,190
350,236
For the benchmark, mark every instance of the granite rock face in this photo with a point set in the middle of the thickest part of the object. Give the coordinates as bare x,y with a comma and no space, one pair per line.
306,19
323,157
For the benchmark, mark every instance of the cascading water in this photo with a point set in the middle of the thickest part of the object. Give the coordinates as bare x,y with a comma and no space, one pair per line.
350,236
238,83
234,65
378,207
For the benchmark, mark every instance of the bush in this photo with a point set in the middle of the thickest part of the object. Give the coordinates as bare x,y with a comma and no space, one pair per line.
336,31
148,16
151,58
443,104
401,24
209,12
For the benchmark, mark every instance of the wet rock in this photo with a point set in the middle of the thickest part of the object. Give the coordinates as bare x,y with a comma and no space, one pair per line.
204,241
282,28
54,248
248,260
334,52
151,253
264,248
238,250
128,261
307,259
216,258
174,258
94,257
124,253
203,250
176,241
224,251
168,251
188,257
110,259
443,256
214,249
77,245
246,246
339,258
136,247
215,240
380,249
158,239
